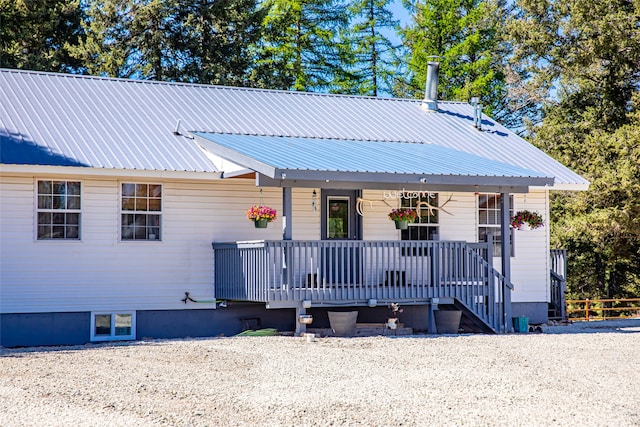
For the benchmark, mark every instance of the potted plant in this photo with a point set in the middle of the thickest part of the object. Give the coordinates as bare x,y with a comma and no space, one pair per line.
402,217
392,320
526,220
261,215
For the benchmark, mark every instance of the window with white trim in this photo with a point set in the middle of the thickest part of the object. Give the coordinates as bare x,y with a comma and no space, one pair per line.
112,326
489,220
425,226
141,211
58,210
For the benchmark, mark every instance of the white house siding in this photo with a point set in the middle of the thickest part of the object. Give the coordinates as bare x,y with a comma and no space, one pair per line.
102,273
530,267
306,219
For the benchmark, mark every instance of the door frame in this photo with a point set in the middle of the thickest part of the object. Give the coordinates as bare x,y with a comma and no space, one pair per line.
355,226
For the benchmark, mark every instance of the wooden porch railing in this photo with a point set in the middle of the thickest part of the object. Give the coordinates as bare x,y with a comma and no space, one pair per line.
558,276
284,273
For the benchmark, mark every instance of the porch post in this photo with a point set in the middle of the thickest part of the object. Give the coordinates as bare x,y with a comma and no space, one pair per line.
505,220
287,217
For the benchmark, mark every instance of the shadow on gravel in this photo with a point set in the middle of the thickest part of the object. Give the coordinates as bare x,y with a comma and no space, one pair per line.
596,327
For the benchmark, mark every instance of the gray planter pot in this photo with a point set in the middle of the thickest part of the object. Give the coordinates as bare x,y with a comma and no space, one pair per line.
448,321
343,323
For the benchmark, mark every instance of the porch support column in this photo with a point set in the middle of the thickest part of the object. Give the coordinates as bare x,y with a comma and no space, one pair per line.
505,220
287,217
301,328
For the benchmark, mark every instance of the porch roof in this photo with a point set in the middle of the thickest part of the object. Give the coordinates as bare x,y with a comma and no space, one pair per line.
287,159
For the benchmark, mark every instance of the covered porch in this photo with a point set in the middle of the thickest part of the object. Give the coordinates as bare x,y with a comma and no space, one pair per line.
353,271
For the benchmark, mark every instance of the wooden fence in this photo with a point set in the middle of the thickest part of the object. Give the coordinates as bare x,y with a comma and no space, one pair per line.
603,309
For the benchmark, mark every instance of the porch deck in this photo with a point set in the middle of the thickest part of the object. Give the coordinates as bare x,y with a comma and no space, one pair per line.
284,274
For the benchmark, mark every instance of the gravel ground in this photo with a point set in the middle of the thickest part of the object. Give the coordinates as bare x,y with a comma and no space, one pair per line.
581,374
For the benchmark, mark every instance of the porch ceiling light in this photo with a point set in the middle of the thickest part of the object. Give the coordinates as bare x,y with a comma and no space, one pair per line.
373,302
306,304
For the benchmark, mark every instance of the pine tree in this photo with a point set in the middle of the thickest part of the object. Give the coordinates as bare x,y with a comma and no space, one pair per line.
214,40
301,48
586,56
373,55
128,38
37,34
463,37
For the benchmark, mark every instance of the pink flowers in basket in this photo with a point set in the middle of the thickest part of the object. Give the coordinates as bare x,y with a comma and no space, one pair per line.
532,219
257,213
403,214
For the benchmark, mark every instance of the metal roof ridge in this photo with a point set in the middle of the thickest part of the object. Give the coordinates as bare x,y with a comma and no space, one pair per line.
217,87
309,137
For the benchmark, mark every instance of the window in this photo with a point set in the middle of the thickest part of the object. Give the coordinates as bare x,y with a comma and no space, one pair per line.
426,225
489,220
113,326
141,211
58,210
338,217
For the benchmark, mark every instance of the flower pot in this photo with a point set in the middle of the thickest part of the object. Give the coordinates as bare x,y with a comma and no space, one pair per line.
448,321
402,225
392,323
343,323
260,223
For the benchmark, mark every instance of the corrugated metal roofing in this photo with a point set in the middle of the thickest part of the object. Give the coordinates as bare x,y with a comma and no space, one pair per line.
330,155
98,122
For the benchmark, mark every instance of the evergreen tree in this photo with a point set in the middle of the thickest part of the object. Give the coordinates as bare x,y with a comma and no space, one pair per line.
37,34
201,41
463,37
301,48
128,38
586,56
215,38
373,51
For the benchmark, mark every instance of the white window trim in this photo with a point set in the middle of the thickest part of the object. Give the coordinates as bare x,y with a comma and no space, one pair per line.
496,226
121,212
113,336
36,210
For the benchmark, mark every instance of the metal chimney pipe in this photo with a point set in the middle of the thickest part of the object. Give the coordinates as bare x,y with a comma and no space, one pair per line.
431,89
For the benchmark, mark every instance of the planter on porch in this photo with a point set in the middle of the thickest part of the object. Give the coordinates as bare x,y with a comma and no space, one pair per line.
448,321
343,323
402,225
261,223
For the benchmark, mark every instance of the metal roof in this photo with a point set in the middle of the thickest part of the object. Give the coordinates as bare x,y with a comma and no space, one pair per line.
71,120
296,158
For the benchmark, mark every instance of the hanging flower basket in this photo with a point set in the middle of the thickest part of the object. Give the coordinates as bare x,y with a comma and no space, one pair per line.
402,217
523,219
261,215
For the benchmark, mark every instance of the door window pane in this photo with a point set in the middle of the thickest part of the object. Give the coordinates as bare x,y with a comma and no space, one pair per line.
338,218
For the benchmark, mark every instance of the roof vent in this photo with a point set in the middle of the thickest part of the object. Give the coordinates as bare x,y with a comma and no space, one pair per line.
477,112
430,101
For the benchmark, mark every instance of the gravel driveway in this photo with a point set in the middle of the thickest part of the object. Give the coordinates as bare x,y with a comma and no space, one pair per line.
581,374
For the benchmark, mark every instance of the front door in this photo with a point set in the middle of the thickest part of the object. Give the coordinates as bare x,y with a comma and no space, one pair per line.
341,222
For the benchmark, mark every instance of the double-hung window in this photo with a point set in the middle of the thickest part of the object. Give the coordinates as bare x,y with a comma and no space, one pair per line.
141,211
489,220
58,210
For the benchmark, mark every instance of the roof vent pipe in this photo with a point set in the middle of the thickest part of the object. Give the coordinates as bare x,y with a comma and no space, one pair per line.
477,112
430,101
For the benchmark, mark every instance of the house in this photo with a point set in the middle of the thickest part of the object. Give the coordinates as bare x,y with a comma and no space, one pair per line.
122,210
